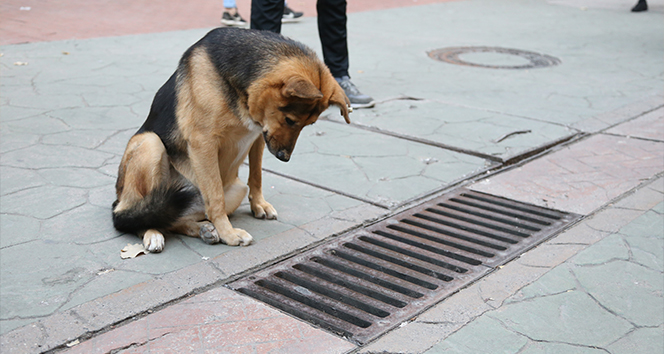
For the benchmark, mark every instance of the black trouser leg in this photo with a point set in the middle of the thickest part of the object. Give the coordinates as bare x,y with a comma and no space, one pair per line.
266,15
333,35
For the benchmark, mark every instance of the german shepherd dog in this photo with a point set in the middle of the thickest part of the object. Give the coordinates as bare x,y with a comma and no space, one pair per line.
234,91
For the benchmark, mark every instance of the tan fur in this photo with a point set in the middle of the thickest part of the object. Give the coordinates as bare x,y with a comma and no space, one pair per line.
217,142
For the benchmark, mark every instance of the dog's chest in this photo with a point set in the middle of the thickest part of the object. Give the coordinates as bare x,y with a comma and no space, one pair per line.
244,144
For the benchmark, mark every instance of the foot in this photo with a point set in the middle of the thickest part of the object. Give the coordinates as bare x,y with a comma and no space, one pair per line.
290,15
153,241
232,19
640,6
233,237
357,98
263,210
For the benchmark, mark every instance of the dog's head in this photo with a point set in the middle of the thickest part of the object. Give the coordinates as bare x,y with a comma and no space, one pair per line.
290,99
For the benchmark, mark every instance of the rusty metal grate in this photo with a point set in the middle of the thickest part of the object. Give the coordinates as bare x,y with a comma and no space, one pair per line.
365,283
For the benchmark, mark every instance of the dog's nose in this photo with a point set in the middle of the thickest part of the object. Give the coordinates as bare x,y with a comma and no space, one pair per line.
283,155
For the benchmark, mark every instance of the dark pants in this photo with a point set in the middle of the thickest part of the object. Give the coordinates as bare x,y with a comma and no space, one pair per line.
266,15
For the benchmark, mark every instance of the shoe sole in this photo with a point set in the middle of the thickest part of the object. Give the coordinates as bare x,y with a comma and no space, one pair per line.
363,105
233,23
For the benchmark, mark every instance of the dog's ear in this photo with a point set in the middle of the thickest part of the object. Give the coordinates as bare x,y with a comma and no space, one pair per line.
340,100
301,88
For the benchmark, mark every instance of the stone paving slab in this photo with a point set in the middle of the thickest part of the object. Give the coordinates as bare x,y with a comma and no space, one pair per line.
498,136
376,168
581,177
648,126
602,54
601,300
71,109
218,321
78,251
556,297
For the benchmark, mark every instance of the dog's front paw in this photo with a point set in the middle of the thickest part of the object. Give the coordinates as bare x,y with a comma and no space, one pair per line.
264,210
153,241
232,237
236,237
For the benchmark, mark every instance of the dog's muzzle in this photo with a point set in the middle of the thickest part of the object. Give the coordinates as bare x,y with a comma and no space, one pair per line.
282,154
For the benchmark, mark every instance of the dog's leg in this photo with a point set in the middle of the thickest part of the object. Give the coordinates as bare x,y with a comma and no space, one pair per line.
259,206
234,193
143,168
204,157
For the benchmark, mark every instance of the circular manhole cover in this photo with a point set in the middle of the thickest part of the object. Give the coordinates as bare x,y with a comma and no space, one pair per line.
493,57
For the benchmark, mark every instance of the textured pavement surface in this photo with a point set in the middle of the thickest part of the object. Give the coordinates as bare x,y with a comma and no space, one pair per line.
68,105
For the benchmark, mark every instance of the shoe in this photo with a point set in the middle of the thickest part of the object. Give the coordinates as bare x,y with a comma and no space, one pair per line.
357,98
642,5
290,15
232,20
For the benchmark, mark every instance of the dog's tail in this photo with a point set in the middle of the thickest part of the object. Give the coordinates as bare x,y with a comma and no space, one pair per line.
159,210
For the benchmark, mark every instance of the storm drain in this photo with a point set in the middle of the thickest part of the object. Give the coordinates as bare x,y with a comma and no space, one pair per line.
365,283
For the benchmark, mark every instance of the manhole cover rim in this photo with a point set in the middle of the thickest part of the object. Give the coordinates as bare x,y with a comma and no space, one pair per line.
451,55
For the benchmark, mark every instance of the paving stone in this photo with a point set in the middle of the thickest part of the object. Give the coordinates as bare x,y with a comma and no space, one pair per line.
553,348
43,156
648,126
414,337
10,141
644,198
21,228
383,169
86,224
55,271
558,280
563,318
452,126
105,281
16,179
43,202
612,219
76,177
495,338
38,125
650,224
641,340
607,119
580,234
549,255
611,248
647,252
631,291
177,257
581,177
84,138
460,308
220,321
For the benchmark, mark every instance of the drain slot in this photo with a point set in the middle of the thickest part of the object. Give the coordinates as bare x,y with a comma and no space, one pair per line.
368,277
362,284
398,262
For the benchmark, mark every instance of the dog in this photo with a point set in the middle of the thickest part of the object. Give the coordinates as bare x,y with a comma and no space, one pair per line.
234,92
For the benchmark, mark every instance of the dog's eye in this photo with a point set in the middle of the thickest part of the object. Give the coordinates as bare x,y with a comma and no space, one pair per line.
290,122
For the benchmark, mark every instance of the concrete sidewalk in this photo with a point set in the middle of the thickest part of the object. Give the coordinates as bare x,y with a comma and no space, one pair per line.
584,136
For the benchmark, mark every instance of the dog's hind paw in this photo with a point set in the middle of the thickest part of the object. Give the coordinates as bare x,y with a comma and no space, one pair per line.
153,241
234,237
209,234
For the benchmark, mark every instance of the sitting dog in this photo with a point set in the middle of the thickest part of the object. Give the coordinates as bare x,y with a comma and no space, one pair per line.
234,92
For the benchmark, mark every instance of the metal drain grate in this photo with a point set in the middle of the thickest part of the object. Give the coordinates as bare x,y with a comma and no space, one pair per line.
363,284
